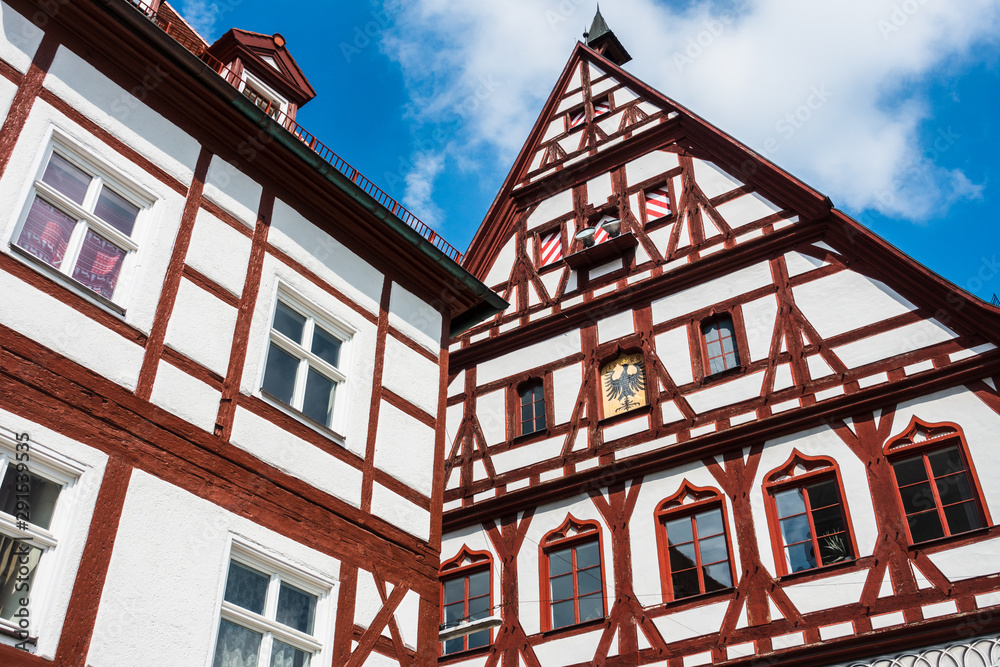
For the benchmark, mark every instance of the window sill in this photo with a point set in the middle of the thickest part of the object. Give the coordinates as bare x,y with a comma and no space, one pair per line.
303,418
722,375
819,570
944,543
527,438
569,630
65,281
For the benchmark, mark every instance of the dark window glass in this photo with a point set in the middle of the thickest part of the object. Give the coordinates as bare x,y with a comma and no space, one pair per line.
289,322
937,494
720,345
246,587
466,598
698,554
67,178
279,374
576,590
318,402
326,347
42,497
117,211
812,525
532,408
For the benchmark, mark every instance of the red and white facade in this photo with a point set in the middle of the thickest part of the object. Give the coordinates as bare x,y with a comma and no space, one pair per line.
223,361
808,478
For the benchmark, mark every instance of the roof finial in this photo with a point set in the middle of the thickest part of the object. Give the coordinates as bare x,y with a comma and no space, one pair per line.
603,40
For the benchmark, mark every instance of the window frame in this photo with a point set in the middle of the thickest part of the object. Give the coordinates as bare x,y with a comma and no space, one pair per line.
467,562
934,437
706,359
279,570
585,531
688,501
531,383
101,172
264,91
333,325
787,476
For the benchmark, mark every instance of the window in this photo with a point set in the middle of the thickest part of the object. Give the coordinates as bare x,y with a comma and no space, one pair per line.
81,221
938,491
466,595
532,397
694,547
260,94
269,614
573,584
719,337
657,203
810,524
304,363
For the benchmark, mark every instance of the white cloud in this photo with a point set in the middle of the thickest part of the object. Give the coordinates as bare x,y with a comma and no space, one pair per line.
203,16
420,186
828,90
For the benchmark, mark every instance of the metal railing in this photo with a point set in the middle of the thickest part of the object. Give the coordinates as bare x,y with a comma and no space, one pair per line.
199,49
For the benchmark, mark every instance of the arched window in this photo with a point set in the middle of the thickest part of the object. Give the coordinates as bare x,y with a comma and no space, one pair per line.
572,576
532,401
939,493
810,522
466,595
718,339
695,555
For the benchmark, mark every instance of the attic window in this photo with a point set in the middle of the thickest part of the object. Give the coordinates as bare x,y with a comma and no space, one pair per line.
260,94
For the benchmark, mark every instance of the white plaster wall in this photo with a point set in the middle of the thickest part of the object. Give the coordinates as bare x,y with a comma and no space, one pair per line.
400,512
758,320
19,38
453,421
735,391
167,607
404,448
695,622
322,254
894,342
201,327
122,114
673,349
569,650
415,318
529,357
566,390
715,290
746,209
219,252
52,587
616,326
837,591
359,360
522,457
500,270
547,209
798,263
599,189
273,445
846,300
411,375
649,165
7,92
65,330
492,416
972,560
712,180
234,191
187,397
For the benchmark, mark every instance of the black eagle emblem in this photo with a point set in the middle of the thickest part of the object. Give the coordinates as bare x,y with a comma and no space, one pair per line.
624,384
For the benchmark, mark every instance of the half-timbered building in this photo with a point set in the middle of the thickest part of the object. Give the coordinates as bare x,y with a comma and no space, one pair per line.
223,360
720,422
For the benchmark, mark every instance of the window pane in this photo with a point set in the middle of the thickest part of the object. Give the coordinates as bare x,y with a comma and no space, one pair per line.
561,587
800,556
835,548
326,347
679,530
46,232
829,520
926,526
716,365
717,577
296,609
560,561
11,551
963,517
823,494
954,488
589,581
479,608
479,583
795,529
289,322
709,523
454,613
67,178
454,590
478,639
279,374
540,419
42,496
539,393
591,607
917,498
588,555
237,646
454,645
563,614
685,583
527,414
99,264
246,588
117,211
790,502
946,461
910,471
283,655
713,549
682,557
318,402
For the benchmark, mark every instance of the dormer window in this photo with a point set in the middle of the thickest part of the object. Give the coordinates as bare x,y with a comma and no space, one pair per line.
257,92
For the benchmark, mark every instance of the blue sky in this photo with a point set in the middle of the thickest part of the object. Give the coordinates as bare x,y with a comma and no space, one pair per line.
432,99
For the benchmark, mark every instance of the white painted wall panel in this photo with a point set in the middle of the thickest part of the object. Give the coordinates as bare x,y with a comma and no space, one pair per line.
727,393
529,357
968,561
408,618
122,114
201,327
569,650
838,591
400,512
712,180
411,375
758,319
322,254
19,38
65,330
415,318
368,602
219,252
799,263
492,416
712,291
500,270
187,397
275,446
891,343
7,92
746,209
674,350
237,193
616,326
692,622
404,448
566,389
524,456
846,300
599,189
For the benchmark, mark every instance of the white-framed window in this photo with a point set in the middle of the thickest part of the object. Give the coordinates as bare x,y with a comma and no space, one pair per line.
306,361
272,613
263,95
34,490
81,220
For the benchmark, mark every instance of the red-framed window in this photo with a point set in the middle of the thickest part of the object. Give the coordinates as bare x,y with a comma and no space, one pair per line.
531,399
718,339
466,595
810,521
695,553
572,575
938,491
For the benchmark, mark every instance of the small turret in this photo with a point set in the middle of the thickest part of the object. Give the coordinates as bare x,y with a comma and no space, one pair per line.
603,40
